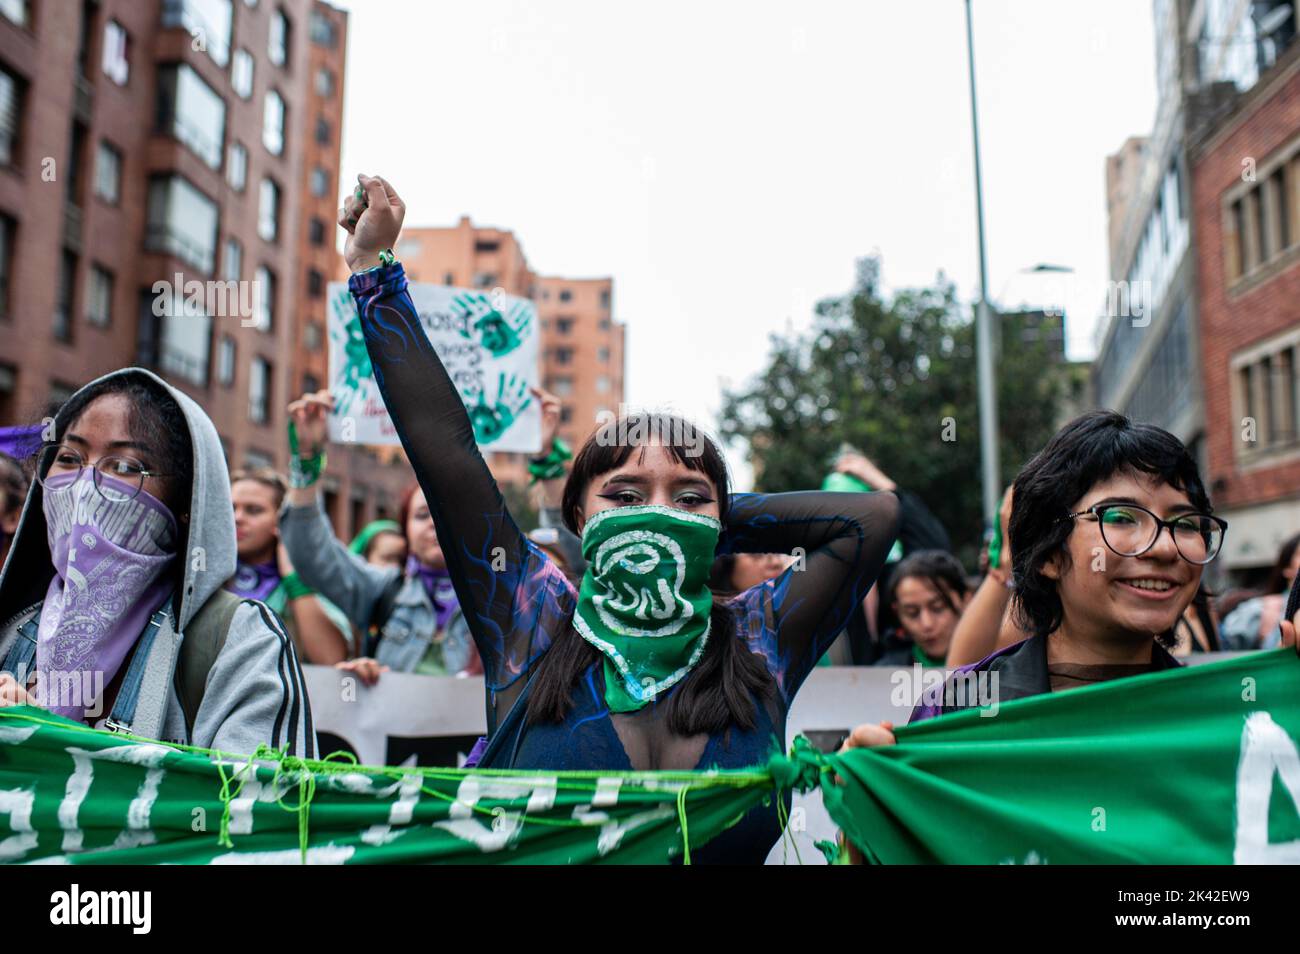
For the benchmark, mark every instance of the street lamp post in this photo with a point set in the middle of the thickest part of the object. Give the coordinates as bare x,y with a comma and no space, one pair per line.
990,469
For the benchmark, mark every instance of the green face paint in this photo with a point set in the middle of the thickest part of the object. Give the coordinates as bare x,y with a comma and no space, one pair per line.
645,600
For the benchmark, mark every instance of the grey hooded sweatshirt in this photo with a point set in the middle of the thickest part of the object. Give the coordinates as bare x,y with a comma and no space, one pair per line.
255,692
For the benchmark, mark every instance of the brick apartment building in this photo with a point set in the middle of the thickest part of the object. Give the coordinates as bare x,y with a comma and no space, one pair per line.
582,346
1246,190
1208,254
141,140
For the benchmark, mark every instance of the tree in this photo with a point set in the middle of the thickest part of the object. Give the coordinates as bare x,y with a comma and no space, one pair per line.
896,379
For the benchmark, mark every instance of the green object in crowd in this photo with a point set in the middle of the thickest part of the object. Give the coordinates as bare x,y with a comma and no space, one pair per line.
370,531
1192,766
995,544
841,483
70,793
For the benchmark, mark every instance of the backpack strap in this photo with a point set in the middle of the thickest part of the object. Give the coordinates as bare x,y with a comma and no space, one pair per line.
202,642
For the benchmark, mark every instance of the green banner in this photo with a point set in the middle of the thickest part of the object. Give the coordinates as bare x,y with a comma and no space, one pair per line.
1190,766
73,794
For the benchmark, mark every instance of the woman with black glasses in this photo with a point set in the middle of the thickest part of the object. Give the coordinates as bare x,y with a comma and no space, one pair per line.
1110,530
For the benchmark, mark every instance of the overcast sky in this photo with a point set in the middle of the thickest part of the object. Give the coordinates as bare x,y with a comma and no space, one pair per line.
726,162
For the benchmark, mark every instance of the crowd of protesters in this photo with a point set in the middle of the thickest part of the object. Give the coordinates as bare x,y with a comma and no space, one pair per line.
196,593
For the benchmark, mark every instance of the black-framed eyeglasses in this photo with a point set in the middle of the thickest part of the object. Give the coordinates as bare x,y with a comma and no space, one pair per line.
116,478
1130,530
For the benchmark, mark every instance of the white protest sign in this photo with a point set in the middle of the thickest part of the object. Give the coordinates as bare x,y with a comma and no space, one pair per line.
488,342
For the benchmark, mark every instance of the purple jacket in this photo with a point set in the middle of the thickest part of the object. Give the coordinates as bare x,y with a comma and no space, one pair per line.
1022,672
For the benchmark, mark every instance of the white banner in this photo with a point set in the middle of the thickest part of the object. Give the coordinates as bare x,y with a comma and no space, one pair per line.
488,342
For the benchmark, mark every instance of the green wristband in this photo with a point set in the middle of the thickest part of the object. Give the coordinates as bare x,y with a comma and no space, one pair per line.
294,587
303,472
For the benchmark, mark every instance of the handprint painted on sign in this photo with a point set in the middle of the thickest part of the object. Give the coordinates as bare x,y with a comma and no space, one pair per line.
356,360
497,333
490,421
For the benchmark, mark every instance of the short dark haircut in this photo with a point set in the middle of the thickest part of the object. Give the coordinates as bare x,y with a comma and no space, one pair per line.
1090,449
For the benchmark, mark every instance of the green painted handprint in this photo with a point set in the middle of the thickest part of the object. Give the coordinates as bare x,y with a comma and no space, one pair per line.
499,335
491,421
356,360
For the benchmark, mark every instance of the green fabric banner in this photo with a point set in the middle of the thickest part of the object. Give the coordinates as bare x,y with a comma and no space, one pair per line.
1189,766
71,793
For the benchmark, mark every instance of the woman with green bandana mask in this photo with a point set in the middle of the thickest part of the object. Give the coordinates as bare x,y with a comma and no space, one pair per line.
641,667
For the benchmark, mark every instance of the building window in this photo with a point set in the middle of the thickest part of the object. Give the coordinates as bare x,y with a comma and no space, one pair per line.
184,335
232,261
241,74
322,31
11,99
315,283
182,221
564,325
76,164
320,182
226,361
237,166
449,279
259,390
604,324
1282,207
316,232
115,58
485,280
67,292
604,299
602,384
191,111
6,262
563,355
277,46
566,295
1266,391
108,173
561,387
16,11
268,210
566,414
265,298
324,82
485,246
312,338
602,355
99,297
208,21
322,131
273,123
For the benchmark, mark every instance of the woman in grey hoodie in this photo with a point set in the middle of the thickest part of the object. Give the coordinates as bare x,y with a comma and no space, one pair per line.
125,540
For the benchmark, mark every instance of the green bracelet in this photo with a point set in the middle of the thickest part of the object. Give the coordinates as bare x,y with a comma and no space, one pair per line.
294,587
303,472
552,465
386,257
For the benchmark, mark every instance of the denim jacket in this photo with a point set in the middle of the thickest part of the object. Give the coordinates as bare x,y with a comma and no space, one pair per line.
408,627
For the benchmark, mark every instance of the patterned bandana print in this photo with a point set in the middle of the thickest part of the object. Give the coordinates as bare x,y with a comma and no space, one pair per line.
645,599
255,581
437,583
110,561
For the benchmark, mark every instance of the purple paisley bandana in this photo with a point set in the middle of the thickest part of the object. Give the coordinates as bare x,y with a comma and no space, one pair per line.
437,583
110,561
254,581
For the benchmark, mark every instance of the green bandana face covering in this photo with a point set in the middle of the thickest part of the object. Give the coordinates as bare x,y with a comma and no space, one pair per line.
645,600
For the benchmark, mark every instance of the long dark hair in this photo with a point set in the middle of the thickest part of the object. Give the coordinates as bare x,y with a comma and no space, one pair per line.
1277,581
1091,448
719,691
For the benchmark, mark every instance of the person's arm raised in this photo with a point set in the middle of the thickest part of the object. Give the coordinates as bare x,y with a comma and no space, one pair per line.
487,556
839,542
